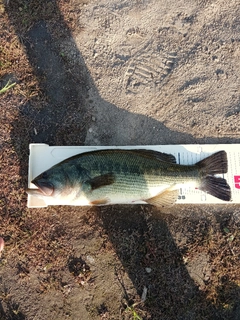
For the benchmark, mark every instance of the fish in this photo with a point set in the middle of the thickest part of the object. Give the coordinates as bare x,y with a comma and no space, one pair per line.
119,176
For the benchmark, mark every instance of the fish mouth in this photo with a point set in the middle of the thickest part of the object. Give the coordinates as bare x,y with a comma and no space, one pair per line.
45,187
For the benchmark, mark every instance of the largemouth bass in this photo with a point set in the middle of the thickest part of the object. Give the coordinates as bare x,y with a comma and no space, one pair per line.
116,176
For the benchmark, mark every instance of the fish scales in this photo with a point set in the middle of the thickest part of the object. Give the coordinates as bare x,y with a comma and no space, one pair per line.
134,174
126,176
153,170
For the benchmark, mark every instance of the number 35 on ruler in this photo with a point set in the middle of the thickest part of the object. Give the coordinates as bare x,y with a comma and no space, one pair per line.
237,182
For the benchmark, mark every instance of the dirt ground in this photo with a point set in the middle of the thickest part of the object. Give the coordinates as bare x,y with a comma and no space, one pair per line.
108,72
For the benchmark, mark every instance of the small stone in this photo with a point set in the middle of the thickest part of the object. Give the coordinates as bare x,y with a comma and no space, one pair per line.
148,270
90,130
90,259
144,294
1,245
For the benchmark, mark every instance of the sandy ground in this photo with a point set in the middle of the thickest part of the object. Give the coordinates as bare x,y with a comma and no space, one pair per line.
122,73
168,68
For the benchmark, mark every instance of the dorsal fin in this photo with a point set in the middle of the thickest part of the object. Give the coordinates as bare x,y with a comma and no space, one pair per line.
166,157
143,152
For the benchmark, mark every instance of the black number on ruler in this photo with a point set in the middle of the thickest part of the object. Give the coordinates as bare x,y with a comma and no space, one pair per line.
181,196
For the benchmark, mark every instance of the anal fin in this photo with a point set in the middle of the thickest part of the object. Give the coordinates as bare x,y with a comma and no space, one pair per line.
167,198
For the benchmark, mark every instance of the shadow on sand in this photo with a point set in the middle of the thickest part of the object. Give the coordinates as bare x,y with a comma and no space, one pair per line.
64,120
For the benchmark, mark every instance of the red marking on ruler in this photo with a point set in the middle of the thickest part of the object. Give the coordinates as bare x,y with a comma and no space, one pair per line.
237,182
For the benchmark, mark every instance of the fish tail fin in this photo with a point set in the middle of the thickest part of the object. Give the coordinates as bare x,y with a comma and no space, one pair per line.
216,186
217,163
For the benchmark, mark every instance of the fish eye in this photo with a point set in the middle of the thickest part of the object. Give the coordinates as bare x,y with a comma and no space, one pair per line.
44,175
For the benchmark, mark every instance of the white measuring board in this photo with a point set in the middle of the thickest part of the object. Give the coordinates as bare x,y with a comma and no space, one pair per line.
43,156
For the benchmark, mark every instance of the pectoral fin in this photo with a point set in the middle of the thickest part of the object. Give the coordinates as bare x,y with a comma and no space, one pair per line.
101,181
167,198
